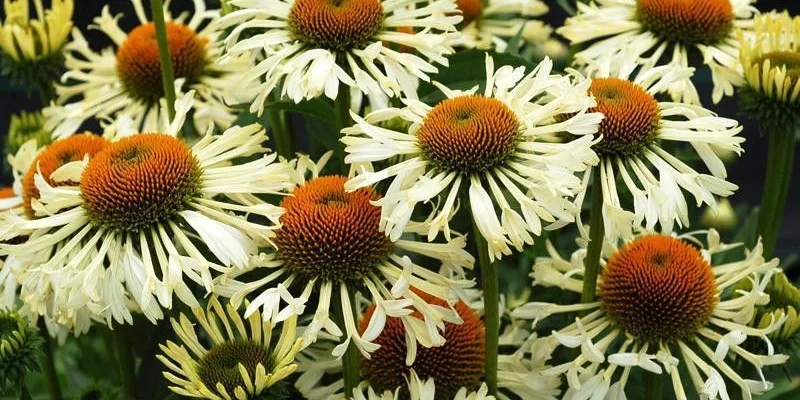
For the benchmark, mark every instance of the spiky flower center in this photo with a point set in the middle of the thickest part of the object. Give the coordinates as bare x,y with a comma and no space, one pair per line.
686,21
60,152
469,134
456,364
140,181
335,24
221,364
658,289
331,234
631,116
471,10
139,65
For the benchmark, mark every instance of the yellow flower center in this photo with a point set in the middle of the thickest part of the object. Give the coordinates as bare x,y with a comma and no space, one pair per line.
472,10
631,116
140,181
335,24
331,234
469,134
686,21
658,289
58,153
139,65
456,364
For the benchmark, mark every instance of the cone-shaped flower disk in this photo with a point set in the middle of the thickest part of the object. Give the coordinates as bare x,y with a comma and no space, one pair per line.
310,47
328,246
245,359
663,306
126,78
118,225
492,145
664,32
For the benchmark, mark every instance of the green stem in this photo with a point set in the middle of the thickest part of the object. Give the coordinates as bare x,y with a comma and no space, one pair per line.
596,233
24,394
167,74
127,361
491,307
351,360
49,367
653,386
343,120
780,161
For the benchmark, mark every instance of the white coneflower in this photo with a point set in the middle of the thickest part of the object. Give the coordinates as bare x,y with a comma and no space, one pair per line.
490,145
663,306
664,32
126,78
492,23
328,247
243,361
415,388
634,133
308,48
121,223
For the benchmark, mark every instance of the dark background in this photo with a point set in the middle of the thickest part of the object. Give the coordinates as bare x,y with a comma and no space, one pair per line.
747,171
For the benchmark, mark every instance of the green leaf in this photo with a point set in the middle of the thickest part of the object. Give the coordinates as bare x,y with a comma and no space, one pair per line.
466,70
315,108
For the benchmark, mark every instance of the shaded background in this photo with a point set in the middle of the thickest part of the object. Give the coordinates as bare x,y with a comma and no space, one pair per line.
747,171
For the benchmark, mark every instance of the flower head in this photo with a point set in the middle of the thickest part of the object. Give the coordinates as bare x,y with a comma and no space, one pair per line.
664,32
784,303
631,150
492,23
125,79
312,47
248,363
26,126
116,228
771,61
415,388
20,348
494,144
662,302
329,247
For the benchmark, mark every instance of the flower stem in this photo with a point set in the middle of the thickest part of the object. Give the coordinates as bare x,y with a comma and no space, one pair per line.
596,233
491,307
127,361
351,360
343,120
780,161
24,394
167,74
280,134
49,367
653,386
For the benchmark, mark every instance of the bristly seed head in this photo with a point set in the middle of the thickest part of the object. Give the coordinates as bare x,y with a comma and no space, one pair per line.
631,117
139,181
331,234
658,289
469,134
340,25
687,22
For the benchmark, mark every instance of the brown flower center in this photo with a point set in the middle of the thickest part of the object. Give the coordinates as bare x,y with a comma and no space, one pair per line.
469,134
631,116
658,289
331,234
687,21
335,24
139,181
139,65
471,10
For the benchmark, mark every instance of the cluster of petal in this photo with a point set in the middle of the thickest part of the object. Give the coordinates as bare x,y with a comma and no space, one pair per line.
76,270
773,32
616,33
608,353
655,178
501,20
261,30
281,293
538,177
27,39
95,79
224,325
418,390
